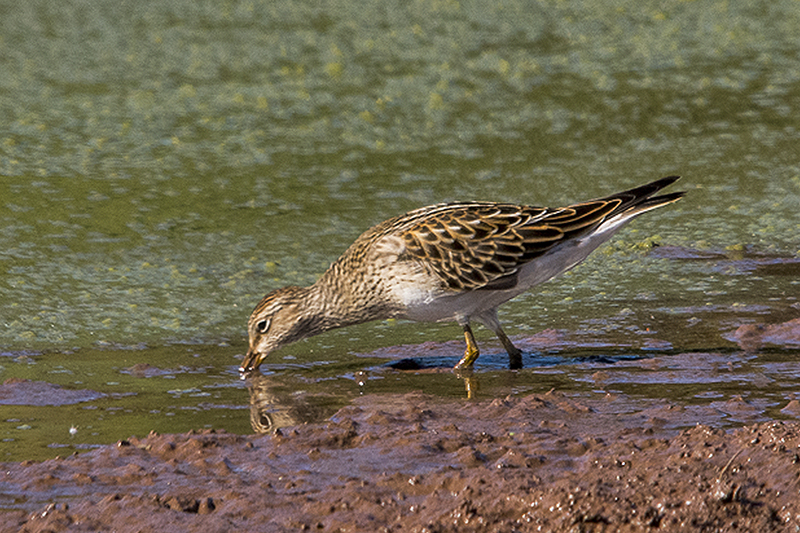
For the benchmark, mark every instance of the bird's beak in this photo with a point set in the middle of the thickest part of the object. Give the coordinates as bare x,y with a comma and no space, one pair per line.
251,361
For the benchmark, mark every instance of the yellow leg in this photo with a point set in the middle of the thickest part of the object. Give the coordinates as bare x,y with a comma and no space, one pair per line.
471,353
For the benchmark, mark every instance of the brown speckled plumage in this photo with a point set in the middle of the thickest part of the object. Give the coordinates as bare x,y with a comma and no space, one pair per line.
456,261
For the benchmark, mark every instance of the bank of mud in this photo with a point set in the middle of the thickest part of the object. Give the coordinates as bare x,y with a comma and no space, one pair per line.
414,462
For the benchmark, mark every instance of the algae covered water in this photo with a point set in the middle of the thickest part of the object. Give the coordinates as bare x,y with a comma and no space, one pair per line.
162,166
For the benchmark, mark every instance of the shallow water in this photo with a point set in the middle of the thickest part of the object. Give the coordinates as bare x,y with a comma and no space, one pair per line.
163,167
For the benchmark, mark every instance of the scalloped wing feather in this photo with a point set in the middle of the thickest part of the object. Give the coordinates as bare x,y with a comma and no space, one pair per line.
482,245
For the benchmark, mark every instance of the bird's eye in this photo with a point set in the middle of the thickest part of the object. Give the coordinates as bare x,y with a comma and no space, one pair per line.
263,325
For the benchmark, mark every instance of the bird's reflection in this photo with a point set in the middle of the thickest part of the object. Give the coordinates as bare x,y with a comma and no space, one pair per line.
471,383
272,406
274,403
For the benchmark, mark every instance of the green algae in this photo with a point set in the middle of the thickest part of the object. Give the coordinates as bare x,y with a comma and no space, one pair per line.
163,166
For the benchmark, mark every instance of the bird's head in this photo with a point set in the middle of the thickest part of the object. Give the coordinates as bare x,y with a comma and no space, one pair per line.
277,320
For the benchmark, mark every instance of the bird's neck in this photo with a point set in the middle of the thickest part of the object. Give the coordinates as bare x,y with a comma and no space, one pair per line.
336,302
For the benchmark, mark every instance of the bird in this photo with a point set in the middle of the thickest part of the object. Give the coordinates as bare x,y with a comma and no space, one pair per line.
454,261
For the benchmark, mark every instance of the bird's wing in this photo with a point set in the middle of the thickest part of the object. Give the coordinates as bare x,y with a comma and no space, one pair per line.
482,245
473,246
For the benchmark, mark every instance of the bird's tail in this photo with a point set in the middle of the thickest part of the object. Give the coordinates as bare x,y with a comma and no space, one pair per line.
636,201
641,199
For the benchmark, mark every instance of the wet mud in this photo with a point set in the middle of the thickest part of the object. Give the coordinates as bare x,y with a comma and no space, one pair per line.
592,460
17,391
751,337
413,462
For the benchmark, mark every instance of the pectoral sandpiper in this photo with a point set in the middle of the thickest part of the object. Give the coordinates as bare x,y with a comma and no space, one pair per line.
455,261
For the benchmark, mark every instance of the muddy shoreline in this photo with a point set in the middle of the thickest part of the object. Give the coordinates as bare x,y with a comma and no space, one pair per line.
413,462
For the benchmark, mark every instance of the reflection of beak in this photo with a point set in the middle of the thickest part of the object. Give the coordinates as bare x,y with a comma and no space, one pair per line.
251,361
